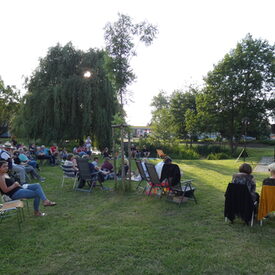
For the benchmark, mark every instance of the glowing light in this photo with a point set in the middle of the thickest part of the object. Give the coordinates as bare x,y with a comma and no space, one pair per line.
87,74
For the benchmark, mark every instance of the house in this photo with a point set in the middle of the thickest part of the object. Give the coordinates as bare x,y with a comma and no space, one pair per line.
141,131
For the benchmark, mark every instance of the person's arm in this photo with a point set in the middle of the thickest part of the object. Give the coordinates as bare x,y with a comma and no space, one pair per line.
5,188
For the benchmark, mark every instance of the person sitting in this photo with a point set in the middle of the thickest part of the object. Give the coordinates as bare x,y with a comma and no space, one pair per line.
145,152
43,153
28,168
106,153
271,179
170,172
94,169
70,162
23,156
244,177
108,168
126,168
15,191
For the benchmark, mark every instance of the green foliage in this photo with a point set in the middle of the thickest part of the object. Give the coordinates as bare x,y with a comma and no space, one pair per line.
241,85
205,150
217,156
120,44
9,105
61,104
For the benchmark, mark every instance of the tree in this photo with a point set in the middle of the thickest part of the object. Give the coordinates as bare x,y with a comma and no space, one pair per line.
180,102
9,103
61,104
120,43
241,85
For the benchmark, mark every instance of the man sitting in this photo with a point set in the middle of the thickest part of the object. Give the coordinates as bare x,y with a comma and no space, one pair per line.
170,172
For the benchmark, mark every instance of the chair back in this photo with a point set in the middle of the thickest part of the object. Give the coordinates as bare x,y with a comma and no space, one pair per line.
154,179
68,171
84,169
238,202
140,170
267,201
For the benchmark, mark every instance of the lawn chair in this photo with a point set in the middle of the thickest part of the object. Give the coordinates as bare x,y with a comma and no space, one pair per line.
68,173
142,174
267,202
160,153
239,202
184,190
154,179
8,208
85,175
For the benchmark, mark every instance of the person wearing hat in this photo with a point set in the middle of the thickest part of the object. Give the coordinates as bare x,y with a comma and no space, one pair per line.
7,156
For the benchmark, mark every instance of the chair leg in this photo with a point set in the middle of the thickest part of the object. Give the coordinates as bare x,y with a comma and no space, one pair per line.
252,219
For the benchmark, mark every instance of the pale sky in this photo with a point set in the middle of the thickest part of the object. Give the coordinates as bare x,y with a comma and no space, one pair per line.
193,36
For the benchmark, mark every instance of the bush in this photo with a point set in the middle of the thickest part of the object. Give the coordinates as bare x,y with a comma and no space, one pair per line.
205,150
217,156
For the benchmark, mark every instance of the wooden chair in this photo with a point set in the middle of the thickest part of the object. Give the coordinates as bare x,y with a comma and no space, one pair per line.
16,206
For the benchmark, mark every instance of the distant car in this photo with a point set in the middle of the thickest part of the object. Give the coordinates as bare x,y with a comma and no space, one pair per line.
248,138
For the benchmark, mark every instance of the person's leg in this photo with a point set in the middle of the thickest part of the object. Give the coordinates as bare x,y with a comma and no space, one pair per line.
20,171
28,194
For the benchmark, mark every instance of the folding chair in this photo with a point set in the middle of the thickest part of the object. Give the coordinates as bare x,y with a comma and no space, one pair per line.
68,173
239,202
153,178
142,174
267,202
85,175
7,207
184,189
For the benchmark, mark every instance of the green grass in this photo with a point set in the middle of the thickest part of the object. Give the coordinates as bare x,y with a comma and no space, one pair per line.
109,233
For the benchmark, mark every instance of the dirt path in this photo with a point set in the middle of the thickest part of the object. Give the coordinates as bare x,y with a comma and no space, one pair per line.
262,165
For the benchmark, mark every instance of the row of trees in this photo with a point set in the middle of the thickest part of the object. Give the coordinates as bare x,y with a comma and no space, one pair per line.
240,88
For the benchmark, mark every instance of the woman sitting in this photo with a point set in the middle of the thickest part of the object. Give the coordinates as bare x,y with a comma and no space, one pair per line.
244,177
271,179
15,191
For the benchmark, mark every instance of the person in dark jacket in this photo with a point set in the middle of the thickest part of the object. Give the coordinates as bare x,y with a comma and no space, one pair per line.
244,177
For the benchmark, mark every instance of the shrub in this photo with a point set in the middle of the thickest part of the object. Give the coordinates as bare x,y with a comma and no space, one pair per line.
217,156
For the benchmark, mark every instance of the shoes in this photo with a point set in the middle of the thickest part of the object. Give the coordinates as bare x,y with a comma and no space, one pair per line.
39,214
49,203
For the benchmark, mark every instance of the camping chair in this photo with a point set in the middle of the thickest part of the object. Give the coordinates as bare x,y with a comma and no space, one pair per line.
8,207
142,174
267,202
239,202
6,198
153,178
184,190
160,153
68,173
85,175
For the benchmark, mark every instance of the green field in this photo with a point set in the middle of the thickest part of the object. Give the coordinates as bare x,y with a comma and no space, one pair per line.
109,233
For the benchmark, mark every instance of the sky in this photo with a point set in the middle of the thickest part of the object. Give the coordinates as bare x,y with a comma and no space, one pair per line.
193,36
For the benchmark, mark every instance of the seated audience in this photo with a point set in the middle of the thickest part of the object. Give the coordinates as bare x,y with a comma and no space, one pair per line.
170,172
271,179
15,191
43,153
106,153
244,177
145,152
70,162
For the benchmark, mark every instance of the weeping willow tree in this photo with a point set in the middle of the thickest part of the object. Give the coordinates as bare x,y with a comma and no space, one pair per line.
61,103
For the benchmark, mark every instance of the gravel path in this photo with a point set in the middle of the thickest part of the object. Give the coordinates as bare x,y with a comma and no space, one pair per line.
262,165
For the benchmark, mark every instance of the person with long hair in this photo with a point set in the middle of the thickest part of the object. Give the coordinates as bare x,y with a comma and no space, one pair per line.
15,191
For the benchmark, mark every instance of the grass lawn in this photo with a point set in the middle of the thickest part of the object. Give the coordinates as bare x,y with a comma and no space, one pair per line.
109,233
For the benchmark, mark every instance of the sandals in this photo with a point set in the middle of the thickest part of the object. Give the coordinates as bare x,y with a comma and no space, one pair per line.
49,203
39,214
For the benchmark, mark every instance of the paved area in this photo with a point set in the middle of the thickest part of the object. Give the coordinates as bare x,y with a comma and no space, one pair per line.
262,165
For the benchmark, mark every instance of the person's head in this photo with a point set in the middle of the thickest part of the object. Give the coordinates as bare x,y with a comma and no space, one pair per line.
16,153
245,168
96,159
70,156
167,160
271,168
4,167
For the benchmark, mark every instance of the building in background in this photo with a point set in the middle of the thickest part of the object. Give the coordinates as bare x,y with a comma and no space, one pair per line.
141,131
